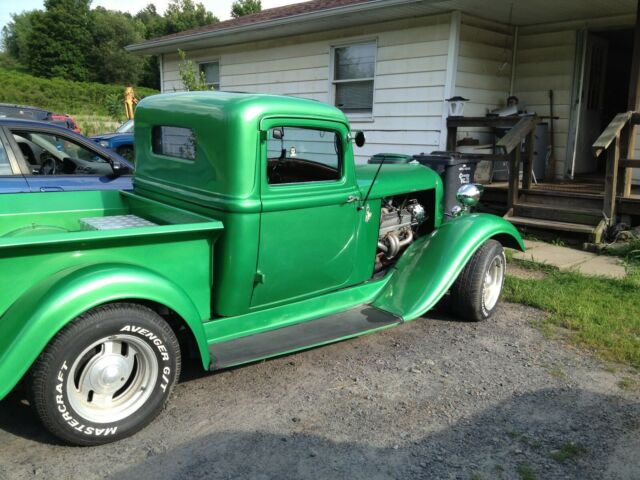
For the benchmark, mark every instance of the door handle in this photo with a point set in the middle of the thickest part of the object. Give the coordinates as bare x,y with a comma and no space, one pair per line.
352,198
51,189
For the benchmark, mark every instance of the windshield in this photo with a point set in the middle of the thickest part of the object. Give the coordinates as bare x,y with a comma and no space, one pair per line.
126,127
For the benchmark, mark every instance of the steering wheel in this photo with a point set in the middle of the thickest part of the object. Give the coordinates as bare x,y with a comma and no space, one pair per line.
274,175
48,164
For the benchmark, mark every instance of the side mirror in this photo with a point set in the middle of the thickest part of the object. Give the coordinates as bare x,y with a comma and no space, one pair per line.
117,167
469,195
360,139
278,133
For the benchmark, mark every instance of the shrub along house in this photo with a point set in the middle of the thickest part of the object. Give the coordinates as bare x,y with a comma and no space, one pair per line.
390,65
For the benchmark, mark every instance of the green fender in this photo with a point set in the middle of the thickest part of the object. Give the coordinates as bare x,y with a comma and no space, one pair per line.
34,319
431,264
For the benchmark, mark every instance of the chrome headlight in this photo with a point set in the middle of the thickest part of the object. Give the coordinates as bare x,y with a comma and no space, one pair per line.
469,195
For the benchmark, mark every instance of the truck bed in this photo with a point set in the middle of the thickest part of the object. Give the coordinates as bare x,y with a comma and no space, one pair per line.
44,235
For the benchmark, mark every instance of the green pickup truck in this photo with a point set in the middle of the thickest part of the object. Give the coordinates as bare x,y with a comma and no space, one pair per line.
250,233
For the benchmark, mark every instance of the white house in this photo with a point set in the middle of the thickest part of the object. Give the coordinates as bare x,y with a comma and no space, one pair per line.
390,64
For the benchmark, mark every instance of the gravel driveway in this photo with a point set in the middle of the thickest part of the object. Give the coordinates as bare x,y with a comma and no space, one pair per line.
431,399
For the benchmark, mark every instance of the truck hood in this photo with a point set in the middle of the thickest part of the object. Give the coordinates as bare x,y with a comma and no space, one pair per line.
395,179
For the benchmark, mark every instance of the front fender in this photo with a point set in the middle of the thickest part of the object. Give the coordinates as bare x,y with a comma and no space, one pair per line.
39,314
431,264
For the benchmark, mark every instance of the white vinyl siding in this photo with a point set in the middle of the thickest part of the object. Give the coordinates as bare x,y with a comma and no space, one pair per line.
411,61
483,69
545,61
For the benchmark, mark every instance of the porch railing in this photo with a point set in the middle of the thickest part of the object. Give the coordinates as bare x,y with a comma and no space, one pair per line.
618,140
506,149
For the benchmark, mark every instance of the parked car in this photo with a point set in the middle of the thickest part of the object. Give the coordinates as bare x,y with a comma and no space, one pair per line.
24,111
42,157
66,121
259,241
120,141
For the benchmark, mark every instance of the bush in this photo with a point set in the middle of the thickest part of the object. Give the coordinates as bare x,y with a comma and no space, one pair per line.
64,96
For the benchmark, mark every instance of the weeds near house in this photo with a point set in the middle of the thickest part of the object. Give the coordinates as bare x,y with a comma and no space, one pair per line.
602,314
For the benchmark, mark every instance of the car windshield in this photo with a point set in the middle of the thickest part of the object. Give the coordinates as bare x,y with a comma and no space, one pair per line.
126,127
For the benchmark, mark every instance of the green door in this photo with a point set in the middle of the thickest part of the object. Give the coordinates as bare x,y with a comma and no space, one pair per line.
310,218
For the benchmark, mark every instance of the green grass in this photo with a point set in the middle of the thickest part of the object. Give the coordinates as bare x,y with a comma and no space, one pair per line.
59,96
525,473
603,314
568,451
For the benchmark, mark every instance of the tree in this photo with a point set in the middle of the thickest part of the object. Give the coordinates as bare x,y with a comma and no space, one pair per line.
60,39
192,79
184,15
240,8
15,36
111,32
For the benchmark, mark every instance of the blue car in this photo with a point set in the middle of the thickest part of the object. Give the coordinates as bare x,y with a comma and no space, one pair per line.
42,157
121,141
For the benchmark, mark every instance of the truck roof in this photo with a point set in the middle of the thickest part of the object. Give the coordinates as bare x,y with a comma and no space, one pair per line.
202,146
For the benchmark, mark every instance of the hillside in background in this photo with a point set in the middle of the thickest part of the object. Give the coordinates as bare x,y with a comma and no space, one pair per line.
97,107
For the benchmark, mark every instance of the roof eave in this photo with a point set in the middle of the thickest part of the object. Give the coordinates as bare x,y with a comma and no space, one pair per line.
166,45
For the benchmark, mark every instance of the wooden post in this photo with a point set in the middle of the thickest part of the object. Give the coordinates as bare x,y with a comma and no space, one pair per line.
452,133
634,103
611,180
527,167
514,178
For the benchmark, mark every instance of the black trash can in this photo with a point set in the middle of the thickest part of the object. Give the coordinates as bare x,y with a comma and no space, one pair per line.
455,169
390,158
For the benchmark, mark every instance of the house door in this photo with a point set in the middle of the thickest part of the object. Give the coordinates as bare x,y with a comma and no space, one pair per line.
591,104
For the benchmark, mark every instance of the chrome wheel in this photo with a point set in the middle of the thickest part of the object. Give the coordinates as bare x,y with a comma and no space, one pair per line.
492,285
112,378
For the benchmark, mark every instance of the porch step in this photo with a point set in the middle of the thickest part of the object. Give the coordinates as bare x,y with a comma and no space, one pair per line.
563,199
551,225
558,213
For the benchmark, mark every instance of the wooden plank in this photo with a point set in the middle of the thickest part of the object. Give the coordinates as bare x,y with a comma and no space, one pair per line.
611,179
514,179
482,121
629,163
512,140
611,133
452,133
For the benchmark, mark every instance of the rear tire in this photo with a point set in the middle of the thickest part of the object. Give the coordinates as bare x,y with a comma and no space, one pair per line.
105,375
475,293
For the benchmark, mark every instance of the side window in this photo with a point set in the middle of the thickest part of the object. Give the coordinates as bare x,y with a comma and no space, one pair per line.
174,142
211,72
353,77
296,155
5,166
53,154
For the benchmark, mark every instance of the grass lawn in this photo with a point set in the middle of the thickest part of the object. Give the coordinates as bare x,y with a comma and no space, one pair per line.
602,314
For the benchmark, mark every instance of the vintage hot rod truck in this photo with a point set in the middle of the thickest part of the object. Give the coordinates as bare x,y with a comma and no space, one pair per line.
250,233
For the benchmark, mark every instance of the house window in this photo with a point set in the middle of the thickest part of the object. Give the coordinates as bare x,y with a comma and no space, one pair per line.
211,72
353,74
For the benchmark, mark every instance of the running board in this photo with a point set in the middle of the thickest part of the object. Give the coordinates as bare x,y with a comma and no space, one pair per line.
299,336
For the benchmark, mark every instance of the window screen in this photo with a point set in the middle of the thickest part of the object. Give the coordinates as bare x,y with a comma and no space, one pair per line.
174,142
354,71
211,71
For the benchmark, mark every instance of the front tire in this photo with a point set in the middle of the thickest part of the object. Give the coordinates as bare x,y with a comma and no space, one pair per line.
106,375
475,293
